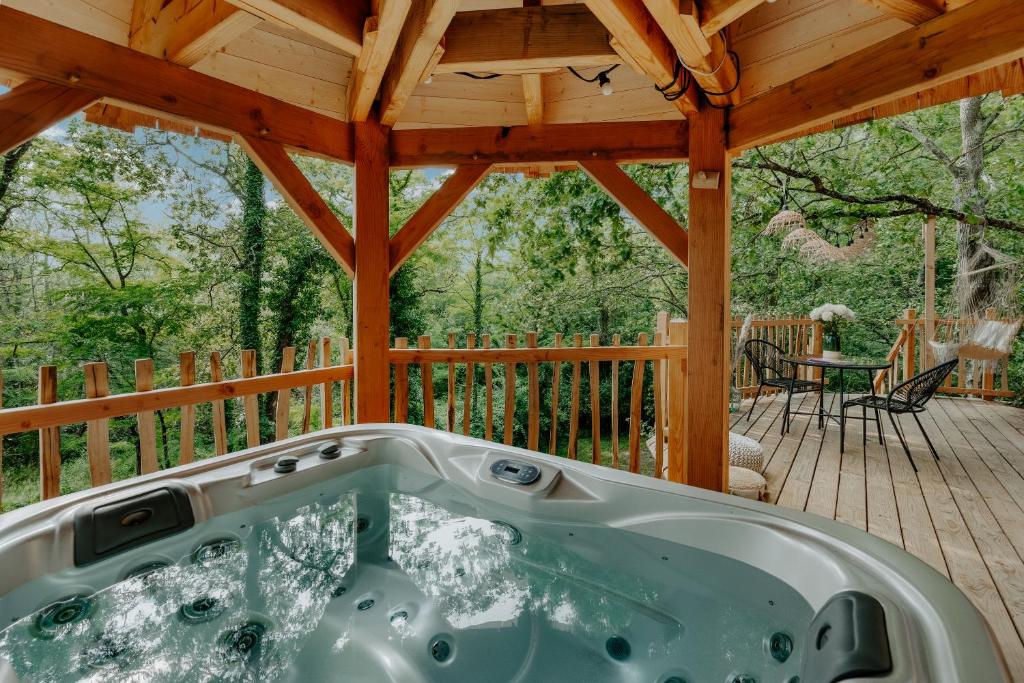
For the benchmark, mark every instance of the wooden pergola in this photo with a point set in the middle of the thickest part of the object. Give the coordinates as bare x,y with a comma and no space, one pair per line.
505,85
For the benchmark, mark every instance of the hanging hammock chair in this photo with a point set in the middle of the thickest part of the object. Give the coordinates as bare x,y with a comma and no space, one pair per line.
811,246
989,340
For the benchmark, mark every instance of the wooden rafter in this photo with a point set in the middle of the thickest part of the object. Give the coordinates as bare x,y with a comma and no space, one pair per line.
910,11
418,49
635,201
533,97
707,56
123,118
524,39
336,22
433,212
34,106
625,141
185,31
303,198
944,49
636,33
380,36
715,15
46,51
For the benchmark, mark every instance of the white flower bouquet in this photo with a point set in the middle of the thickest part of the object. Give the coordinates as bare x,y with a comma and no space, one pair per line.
832,317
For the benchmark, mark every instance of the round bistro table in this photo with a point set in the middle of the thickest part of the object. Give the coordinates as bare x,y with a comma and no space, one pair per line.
841,366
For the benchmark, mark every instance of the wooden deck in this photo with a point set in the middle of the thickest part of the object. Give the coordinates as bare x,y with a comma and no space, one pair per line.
963,515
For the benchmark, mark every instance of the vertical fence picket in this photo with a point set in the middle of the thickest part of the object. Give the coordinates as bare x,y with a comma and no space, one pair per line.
49,437
556,381
595,403
219,417
97,432
489,394
676,392
401,410
1,444
659,416
251,402
327,388
616,341
467,394
187,425
307,394
574,408
346,386
510,392
284,396
635,403
533,416
449,422
427,380
146,421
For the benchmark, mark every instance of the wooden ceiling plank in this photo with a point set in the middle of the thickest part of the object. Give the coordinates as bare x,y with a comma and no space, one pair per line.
635,201
47,51
303,198
34,106
418,51
514,40
336,22
533,96
717,14
947,48
380,35
708,57
911,11
637,33
432,213
626,142
185,31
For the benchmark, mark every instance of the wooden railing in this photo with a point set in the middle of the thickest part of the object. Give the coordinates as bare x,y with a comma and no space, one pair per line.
518,363
911,353
99,406
796,336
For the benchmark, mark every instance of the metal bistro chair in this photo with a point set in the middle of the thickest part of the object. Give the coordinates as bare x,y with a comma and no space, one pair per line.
907,397
772,370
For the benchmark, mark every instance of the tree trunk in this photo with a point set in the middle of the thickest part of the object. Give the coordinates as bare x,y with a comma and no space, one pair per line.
254,211
976,290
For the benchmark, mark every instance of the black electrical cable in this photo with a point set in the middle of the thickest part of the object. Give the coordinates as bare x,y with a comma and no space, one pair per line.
596,78
485,77
688,78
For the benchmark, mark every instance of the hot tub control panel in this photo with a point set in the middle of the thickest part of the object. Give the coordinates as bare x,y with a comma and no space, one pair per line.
515,471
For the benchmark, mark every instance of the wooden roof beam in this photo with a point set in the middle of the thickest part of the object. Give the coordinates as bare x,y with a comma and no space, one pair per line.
533,96
303,198
708,56
525,38
185,31
46,51
619,141
911,11
34,106
380,35
418,50
949,47
636,32
432,213
336,22
715,15
635,201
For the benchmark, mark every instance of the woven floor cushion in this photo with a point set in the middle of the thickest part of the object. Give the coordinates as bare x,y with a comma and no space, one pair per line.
746,483
745,452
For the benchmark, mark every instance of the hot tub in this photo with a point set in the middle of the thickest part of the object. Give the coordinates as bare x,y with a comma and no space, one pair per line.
398,553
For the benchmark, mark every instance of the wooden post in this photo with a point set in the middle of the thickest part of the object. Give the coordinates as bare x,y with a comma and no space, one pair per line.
929,292
988,367
220,425
636,398
707,366
427,382
187,436
251,402
467,394
327,388
675,391
659,410
595,403
616,341
509,418
372,309
147,427
307,394
556,381
449,422
284,396
49,437
401,384
488,393
97,385
346,386
533,417
574,408
910,315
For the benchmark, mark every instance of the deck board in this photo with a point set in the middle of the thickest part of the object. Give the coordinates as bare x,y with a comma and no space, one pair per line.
963,515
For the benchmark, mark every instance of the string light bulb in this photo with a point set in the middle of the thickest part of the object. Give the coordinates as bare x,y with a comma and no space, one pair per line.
605,83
